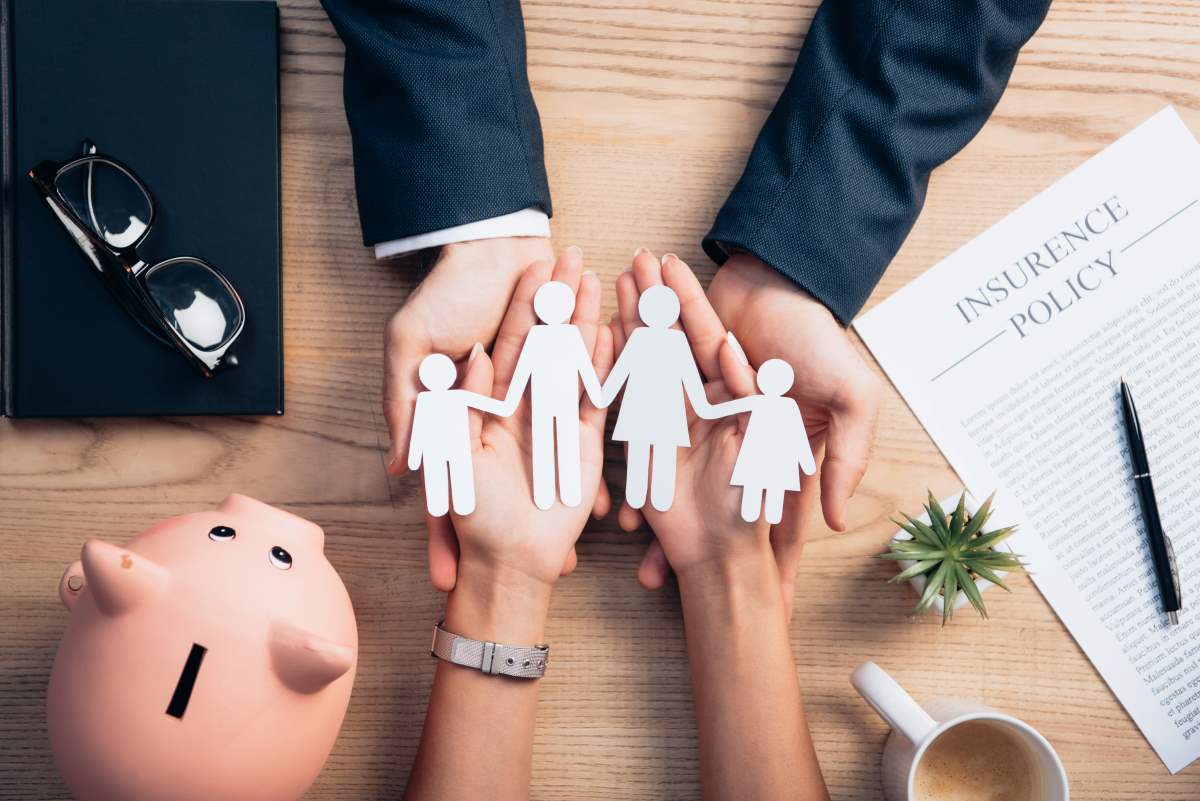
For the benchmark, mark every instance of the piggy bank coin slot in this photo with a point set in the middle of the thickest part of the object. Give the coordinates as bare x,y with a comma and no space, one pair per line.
187,681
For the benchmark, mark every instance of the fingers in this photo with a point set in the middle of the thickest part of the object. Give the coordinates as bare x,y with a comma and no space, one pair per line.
627,304
477,378
787,537
517,321
568,267
736,372
647,270
848,447
704,328
403,351
653,571
587,308
590,416
443,553
603,504
628,518
602,361
571,563
618,334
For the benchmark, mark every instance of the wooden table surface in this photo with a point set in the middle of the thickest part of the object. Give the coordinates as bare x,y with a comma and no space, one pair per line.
649,110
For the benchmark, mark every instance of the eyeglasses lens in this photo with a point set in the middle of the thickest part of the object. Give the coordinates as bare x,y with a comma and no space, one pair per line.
106,199
195,302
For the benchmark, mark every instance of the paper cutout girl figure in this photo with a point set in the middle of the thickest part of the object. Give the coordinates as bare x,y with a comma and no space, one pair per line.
775,447
656,368
441,436
553,360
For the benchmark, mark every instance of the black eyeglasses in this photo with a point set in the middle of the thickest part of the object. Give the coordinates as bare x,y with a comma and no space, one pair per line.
183,301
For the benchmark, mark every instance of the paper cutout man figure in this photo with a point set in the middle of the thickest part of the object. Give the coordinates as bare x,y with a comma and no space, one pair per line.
775,447
441,436
553,360
656,368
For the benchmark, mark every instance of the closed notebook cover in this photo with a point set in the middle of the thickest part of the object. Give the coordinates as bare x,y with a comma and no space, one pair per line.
184,92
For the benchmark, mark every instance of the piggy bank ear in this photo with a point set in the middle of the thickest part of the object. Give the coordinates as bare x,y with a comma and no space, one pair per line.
71,584
120,580
304,661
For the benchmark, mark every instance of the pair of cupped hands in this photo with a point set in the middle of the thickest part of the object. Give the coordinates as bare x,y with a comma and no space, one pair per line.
480,292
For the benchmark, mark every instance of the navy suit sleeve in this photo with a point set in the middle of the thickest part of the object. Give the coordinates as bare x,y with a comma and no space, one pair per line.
444,126
882,93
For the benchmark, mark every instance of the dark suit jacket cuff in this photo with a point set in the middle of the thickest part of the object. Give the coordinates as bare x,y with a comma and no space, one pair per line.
833,273
392,210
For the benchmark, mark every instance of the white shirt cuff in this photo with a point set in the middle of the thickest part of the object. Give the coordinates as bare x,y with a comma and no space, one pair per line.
526,222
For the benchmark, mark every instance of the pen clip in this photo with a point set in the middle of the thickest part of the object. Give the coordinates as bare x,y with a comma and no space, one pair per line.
1174,570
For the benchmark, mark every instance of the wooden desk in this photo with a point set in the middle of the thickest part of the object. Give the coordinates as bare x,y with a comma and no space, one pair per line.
649,111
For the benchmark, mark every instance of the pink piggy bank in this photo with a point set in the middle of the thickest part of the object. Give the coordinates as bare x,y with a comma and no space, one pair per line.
209,659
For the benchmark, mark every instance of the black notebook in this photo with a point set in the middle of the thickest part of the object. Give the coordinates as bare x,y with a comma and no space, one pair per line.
184,92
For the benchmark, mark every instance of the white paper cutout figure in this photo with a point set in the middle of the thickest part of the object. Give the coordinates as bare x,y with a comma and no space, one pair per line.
775,447
656,368
553,360
441,436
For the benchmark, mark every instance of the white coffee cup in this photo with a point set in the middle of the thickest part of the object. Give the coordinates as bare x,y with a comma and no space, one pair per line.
915,728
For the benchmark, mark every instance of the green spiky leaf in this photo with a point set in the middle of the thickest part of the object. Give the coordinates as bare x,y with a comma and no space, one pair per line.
956,520
919,531
937,519
970,590
916,570
933,586
949,592
991,539
980,518
986,572
951,551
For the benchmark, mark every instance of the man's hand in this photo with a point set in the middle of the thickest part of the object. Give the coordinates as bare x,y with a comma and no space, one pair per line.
838,395
459,303
508,538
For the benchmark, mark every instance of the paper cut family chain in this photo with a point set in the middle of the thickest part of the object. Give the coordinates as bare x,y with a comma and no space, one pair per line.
656,370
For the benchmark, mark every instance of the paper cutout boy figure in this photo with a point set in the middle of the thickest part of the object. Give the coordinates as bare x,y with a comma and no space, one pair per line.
553,360
775,447
656,369
441,436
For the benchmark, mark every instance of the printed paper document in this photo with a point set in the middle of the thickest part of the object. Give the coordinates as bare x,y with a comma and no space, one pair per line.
1010,352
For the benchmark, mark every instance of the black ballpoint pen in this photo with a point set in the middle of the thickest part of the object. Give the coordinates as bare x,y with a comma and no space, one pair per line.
1160,544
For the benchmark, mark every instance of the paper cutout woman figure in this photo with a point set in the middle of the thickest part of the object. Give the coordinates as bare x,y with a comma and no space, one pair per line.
553,360
441,436
656,368
775,447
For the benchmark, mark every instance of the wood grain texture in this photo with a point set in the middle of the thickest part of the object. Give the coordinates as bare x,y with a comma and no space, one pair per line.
649,111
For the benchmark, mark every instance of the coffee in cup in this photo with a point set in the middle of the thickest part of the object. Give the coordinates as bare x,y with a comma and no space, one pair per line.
954,750
978,760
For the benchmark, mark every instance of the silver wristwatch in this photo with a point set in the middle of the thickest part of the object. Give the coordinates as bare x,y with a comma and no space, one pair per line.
518,661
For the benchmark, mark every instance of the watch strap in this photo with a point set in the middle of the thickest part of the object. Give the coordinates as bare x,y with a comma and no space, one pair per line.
497,659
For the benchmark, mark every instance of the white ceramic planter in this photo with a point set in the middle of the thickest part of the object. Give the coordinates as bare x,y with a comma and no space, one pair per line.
918,582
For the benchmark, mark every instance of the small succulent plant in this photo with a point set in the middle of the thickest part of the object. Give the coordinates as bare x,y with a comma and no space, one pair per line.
951,552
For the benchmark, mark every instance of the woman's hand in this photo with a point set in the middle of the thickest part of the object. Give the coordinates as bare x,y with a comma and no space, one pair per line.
507,544
749,710
704,525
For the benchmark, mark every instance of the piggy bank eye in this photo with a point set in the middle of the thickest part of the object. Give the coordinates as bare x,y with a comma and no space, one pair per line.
221,534
281,558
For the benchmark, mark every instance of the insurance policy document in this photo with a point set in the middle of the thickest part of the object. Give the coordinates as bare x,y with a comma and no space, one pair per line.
1010,352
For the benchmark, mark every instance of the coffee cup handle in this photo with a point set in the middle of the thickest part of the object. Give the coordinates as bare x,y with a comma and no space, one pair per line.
892,702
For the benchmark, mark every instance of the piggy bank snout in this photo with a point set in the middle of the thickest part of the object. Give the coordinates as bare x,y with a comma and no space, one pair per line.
119,580
71,584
